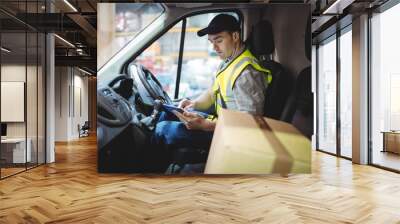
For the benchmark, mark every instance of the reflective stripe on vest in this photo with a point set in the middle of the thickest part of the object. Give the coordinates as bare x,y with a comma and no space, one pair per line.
225,80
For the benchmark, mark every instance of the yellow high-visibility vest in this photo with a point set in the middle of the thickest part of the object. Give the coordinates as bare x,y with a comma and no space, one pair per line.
225,80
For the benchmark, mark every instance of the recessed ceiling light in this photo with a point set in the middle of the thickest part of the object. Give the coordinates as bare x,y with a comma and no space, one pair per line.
5,50
64,40
84,71
70,5
337,7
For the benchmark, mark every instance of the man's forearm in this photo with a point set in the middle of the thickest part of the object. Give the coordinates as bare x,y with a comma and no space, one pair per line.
204,101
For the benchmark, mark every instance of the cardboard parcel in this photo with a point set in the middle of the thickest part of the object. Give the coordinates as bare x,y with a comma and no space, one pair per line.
247,144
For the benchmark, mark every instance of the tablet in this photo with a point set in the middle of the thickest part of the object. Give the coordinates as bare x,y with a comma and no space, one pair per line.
172,108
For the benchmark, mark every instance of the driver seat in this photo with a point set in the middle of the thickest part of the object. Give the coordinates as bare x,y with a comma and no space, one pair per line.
261,43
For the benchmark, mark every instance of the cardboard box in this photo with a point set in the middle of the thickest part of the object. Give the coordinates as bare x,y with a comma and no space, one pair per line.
246,144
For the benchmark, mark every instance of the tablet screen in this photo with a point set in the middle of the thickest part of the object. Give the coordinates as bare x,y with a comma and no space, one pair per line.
171,108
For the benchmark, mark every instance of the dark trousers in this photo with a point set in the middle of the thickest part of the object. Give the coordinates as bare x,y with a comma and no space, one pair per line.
171,132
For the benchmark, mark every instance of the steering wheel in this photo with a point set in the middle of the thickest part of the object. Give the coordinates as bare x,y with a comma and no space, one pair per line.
149,87
112,110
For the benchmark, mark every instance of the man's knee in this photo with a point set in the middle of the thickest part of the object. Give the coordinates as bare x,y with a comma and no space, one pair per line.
168,132
160,130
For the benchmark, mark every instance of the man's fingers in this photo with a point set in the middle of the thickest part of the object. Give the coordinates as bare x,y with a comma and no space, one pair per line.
188,125
189,114
182,104
185,104
194,123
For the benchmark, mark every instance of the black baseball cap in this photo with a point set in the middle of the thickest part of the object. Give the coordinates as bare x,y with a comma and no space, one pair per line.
222,22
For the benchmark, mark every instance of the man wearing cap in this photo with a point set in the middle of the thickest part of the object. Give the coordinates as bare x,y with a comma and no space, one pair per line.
240,84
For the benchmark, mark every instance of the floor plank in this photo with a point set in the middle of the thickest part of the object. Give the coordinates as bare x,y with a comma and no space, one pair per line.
71,191
387,159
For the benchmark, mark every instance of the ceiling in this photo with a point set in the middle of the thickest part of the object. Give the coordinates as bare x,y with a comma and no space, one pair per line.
76,22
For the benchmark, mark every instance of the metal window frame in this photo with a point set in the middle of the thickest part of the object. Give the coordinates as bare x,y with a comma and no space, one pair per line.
180,57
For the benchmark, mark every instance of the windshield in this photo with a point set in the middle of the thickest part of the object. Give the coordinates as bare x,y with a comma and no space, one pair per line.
119,23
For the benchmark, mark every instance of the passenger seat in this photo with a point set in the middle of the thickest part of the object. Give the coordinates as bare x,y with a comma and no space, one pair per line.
261,44
299,109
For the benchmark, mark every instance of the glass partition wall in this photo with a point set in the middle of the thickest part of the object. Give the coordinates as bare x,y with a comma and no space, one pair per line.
334,104
334,101
385,89
13,85
327,95
345,65
22,94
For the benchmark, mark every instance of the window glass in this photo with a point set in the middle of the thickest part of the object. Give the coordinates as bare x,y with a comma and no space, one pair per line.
200,62
346,94
327,96
161,58
127,20
385,88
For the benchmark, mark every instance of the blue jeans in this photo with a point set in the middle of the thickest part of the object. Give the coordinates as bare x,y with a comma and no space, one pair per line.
170,131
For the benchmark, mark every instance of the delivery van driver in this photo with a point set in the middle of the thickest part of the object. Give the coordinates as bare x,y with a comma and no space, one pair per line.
240,84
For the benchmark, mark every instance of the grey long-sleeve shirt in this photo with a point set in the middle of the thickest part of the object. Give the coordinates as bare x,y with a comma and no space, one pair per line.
249,91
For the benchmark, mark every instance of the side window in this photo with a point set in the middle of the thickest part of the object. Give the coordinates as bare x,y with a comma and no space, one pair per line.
161,58
200,62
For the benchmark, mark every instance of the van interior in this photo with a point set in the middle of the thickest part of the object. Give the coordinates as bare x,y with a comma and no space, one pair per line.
128,101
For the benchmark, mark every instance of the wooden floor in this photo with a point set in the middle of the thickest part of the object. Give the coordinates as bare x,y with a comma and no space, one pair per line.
10,171
387,159
71,191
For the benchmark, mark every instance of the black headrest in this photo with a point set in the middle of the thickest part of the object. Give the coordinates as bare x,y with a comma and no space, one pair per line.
307,38
262,39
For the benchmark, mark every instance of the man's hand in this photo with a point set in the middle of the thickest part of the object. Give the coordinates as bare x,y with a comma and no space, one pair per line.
197,122
186,104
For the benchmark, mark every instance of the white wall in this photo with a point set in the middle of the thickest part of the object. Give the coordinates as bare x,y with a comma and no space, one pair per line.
80,84
71,94
61,103
33,126
289,26
12,73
